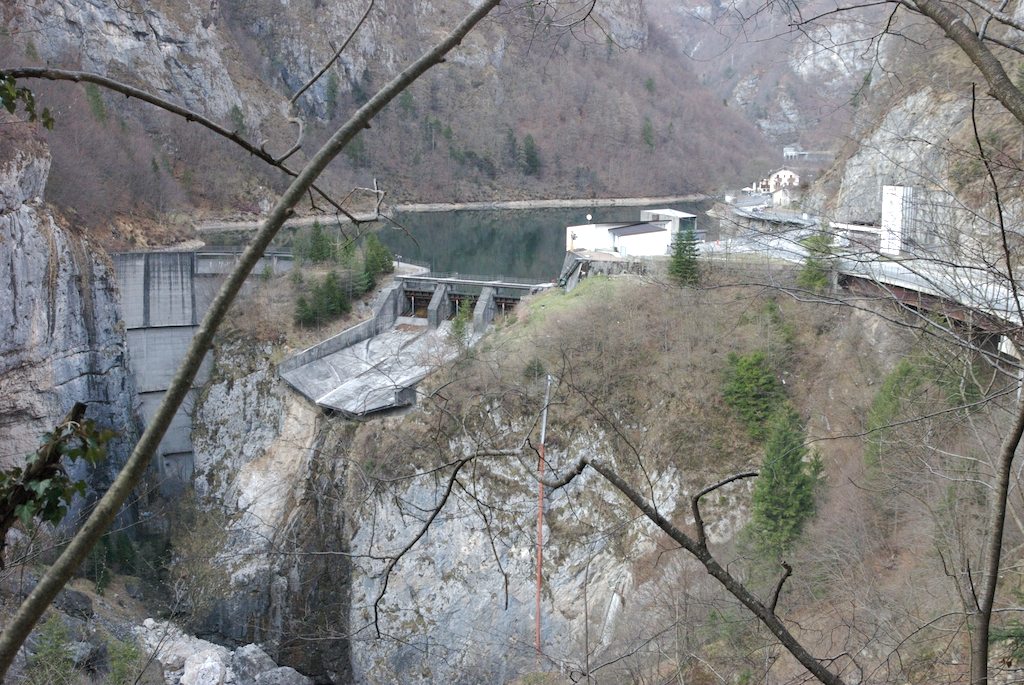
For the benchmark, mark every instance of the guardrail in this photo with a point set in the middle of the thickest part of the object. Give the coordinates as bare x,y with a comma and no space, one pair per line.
973,286
457,276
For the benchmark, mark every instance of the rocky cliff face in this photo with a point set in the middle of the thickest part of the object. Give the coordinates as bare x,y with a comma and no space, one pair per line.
795,84
176,51
917,131
268,460
62,341
460,606
311,526
318,507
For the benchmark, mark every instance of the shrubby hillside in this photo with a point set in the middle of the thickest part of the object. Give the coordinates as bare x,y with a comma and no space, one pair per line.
675,389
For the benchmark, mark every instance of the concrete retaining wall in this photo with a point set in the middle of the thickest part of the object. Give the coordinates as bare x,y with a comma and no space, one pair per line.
577,268
169,290
157,289
387,307
220,263
131,277
162,300
156,353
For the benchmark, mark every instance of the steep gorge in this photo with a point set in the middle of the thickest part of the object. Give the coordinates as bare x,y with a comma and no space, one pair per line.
318,505
299,512
267,459
312,505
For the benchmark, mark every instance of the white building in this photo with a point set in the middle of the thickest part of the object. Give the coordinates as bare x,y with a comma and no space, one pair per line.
649,237
783,178
783,197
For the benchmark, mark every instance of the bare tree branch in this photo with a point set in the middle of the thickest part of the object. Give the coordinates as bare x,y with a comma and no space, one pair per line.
259,151
576,470
1004,243
59,573
786,573
337,54
989,575
435,512
988,19
1000,85
695,501
700,551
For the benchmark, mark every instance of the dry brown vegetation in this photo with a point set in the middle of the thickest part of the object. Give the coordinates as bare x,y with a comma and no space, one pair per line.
638,371
606,121
265,310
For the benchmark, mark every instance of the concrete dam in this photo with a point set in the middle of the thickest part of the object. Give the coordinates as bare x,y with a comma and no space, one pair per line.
370,367
376,365
164,296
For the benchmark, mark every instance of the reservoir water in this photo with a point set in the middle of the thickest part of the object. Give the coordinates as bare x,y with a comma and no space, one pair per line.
516,243
520,243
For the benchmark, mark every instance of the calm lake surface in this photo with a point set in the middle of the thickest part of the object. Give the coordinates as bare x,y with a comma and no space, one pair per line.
521,243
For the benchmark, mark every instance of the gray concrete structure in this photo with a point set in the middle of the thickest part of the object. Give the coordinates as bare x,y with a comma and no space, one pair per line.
168,288
378,373
385,308
158,303
131,277
440,308
483,313
579,264
376,365
164,296
373,365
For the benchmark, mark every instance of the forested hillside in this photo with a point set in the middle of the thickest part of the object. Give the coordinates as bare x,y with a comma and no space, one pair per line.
535,105
752,469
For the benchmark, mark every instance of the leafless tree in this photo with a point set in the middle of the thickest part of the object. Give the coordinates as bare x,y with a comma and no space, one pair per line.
58,574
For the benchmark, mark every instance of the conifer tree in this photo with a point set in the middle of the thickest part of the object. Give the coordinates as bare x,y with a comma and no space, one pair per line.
815,272
329,300
377,258
783,497
684,269
531,156
321,247
753,390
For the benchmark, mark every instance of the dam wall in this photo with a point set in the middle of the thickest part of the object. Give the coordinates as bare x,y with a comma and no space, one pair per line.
163,298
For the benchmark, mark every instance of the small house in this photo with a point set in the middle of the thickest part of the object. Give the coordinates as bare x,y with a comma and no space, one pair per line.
783,178
784,197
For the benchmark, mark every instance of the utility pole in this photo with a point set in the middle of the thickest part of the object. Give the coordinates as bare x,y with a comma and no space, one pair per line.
540,505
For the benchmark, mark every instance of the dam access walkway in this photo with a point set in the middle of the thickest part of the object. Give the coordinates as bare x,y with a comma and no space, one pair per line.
377,364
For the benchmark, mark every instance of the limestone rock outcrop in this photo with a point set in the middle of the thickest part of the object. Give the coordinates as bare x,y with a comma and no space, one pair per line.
60,337
188,660
268,459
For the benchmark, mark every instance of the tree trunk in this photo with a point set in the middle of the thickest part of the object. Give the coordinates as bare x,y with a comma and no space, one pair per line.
28,614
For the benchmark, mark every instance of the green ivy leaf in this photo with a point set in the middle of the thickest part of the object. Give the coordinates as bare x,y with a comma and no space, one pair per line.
50,496
55,515
25,512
